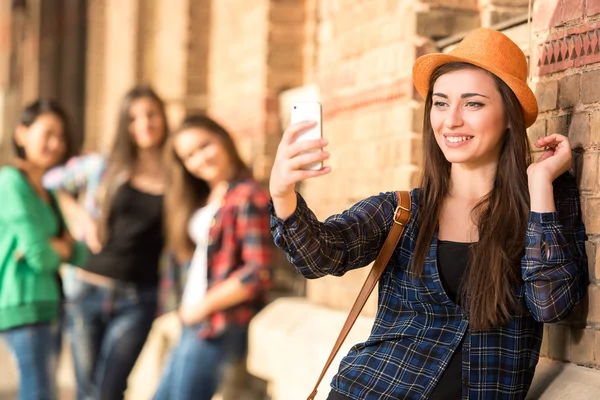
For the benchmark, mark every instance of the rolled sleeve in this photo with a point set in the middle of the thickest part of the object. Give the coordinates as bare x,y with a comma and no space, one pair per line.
554,267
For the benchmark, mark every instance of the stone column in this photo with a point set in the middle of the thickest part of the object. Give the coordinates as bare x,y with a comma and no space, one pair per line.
119,65
7,55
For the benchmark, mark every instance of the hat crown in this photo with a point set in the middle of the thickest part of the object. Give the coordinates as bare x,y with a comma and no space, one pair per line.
493,50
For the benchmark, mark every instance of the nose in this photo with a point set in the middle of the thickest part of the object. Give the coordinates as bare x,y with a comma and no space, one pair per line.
142,123
55,143
196,160
453,117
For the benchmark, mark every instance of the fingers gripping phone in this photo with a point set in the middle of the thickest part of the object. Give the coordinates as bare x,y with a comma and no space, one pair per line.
308,111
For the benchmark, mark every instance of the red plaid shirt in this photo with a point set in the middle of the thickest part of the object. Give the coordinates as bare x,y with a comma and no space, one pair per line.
241,246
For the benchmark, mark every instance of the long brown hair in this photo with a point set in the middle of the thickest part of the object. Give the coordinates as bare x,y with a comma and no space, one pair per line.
186,193
124,154
487,289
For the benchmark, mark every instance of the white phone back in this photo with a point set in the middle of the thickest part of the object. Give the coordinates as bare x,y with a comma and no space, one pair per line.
308,111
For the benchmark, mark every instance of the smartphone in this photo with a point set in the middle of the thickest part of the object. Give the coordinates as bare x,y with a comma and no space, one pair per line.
308,111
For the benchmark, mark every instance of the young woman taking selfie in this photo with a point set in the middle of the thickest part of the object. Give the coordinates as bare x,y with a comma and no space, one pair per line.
494,247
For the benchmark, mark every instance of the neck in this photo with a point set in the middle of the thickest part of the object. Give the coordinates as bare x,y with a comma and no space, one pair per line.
218,185
471,183
218,189
33,172
150,160
222,181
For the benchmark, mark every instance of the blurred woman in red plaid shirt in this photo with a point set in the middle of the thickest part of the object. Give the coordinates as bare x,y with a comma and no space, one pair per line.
217,222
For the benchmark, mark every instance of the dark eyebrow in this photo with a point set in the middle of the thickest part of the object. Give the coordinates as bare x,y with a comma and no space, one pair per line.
463,96
467,95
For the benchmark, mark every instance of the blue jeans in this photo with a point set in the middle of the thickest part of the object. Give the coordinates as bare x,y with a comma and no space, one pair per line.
35,349
197,365
107,328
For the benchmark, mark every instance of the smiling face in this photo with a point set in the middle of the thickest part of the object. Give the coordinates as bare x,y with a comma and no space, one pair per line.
43,142
467,117
147,126
203,155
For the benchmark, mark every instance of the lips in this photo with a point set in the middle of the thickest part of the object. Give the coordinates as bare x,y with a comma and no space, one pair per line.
457,140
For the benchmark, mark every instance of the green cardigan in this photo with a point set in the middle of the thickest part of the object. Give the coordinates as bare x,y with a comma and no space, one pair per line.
29,288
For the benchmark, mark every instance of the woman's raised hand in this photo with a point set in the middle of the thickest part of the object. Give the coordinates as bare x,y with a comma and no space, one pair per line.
287,169
554,161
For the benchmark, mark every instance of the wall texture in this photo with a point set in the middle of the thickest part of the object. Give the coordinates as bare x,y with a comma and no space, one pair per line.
566,73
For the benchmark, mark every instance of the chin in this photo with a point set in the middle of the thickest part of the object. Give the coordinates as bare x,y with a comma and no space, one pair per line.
456,158
148,143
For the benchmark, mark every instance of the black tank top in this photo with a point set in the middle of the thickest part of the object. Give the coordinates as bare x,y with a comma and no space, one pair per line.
135,238
452,259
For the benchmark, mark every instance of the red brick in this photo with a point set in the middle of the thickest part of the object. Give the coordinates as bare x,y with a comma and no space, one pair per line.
538,129
568,91
566,48
593,264
437,23
559,341
591,215
594,304
592,7
468,4
589,172
572,10
547,95
505,3
595,259
579,130
582,346
595,127
596,347
590,82
558,125
546,14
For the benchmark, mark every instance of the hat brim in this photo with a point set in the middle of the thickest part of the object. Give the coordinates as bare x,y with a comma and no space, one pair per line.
425,65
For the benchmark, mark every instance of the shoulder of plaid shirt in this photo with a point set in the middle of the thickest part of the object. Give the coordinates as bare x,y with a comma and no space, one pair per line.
417,328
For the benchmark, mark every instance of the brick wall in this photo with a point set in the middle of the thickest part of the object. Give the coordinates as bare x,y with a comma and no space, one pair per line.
164,43
566,77
372,115
119,64
94,82
237,72
495,11
197,65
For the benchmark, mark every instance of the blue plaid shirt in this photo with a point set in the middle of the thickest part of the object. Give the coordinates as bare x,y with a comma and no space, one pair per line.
417,327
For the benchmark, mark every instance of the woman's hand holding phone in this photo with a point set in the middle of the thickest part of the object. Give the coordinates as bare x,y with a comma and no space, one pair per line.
287,170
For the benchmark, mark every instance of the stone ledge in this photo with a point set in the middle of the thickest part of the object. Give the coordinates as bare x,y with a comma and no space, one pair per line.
291,339
562,381
289,342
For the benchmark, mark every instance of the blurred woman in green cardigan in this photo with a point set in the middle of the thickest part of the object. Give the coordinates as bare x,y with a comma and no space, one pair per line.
33,244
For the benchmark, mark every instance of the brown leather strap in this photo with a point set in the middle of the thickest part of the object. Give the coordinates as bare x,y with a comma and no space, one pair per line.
401,217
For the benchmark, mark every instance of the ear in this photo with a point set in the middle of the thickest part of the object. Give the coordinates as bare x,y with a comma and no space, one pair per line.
20,135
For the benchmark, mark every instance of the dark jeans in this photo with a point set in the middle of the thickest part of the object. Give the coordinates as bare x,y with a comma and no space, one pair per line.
35,349
107,328
197,365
